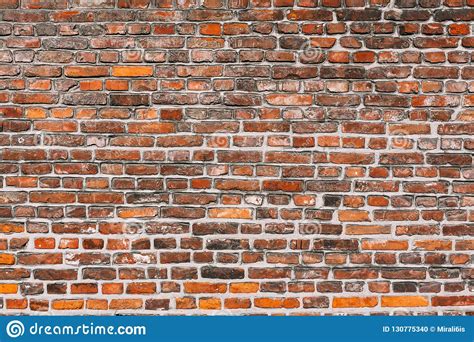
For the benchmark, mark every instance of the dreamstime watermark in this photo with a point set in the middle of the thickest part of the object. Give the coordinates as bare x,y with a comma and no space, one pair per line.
310,227
143,230
217,141
16,329
298,227
311,53
399,139
59,139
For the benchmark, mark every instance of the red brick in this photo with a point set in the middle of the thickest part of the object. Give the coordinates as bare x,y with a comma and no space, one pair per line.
236,158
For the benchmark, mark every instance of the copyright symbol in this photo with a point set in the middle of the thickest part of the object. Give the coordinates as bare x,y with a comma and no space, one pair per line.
432,329
15,329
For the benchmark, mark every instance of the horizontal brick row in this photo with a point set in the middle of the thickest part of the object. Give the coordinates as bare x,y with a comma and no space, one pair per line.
260,304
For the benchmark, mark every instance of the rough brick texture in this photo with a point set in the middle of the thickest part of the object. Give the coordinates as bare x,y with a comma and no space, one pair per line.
236,156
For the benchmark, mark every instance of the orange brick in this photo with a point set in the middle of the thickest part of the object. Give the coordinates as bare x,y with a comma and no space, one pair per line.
354,302
209,303
433,245
36,113
125,304
404,301
68,304
90,85
132,71
185,303
7,259
237,303
112,288
244,287
353,216
196,287
211,29
141,288
97,304
385,245
8,288
230,213
116,85
45,243
86,71
274,303
16,304
137,212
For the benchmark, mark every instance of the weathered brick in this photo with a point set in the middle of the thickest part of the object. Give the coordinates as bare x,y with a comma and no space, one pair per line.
254,157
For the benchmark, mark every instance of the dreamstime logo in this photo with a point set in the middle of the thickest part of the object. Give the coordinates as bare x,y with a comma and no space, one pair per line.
15,329
217,141
134,228
399,139
135,54
50,139
310,53
310,228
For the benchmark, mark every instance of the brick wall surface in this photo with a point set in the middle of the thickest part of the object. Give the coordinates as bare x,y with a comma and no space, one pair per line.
236,156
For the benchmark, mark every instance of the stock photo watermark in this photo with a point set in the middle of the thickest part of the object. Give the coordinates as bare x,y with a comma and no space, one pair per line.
16,329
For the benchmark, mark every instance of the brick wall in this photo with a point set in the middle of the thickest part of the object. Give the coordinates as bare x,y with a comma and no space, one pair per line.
236,156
